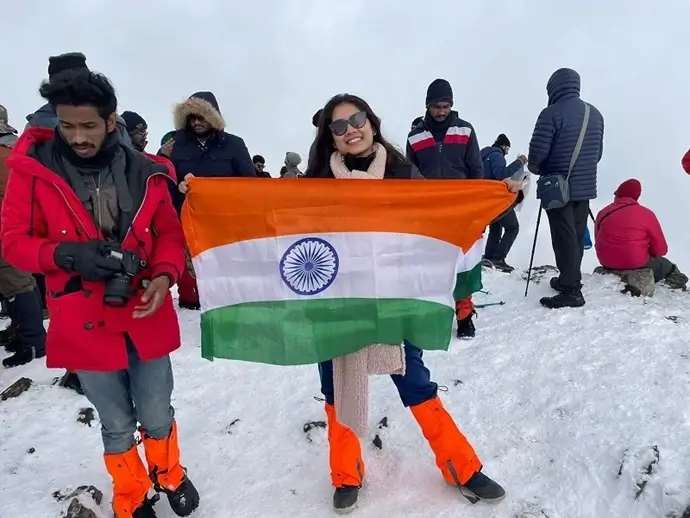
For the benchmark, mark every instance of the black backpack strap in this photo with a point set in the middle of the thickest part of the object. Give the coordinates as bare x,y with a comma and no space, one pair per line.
597,227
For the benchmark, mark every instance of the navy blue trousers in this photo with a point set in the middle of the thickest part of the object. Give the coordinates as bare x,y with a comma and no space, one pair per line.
415,387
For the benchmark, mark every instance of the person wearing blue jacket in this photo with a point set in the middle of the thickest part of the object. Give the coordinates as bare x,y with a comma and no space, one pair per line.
550,151
502,232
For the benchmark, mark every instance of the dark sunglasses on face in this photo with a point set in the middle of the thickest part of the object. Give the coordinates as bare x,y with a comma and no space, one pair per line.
356,120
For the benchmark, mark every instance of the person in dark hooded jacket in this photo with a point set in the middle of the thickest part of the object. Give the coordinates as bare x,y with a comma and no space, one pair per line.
445,147
550,151
504,231
45,116
200,146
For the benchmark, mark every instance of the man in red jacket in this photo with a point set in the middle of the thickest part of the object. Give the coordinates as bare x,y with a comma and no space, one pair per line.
95,217
628,236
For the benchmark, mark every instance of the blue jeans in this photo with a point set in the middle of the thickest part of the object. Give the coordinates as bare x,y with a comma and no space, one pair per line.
140,393
415,387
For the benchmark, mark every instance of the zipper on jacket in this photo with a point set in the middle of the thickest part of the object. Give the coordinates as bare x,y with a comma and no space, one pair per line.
99,214
146,191
86,232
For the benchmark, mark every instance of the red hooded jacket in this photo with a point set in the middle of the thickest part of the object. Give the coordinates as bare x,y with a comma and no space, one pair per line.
685,162
40,210
627,238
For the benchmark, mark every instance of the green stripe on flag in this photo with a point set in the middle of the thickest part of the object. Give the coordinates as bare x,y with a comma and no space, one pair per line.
467,283
301,332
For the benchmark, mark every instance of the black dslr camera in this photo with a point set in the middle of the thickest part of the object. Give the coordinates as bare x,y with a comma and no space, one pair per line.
119,288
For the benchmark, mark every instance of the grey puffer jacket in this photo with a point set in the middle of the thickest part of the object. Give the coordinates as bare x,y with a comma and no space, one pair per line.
556,133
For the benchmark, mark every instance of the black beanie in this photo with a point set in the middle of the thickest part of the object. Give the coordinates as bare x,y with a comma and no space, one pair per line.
134,121
68,61
439,91
502,140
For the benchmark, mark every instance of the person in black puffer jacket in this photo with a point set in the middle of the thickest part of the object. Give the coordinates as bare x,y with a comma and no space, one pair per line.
550,151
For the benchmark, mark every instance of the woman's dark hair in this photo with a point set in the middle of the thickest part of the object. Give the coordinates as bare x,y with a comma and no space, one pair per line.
79,87
319,163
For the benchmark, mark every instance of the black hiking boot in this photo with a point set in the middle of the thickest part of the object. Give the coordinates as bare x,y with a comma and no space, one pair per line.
23,356
8,337
482,488
194,306
70,380
184,500
487,263
466,327
145,510
573,299
345,499
502,266
676,280
555,284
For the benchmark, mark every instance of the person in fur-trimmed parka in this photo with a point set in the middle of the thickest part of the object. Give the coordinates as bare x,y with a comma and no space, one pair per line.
202,147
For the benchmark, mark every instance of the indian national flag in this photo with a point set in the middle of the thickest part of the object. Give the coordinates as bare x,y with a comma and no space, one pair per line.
301,271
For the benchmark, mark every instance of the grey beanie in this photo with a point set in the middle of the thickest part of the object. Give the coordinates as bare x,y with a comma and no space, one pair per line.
292,159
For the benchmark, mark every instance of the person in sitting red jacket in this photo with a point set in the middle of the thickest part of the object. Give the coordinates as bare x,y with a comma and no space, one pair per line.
95,217
628,236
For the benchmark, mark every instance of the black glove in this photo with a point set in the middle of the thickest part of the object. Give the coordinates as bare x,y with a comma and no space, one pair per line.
86,260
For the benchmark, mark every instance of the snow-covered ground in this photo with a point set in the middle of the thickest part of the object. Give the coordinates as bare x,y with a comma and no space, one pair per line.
556,403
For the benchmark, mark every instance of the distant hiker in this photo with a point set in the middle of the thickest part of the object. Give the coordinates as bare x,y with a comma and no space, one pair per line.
292,160
95,217
45,116
202,147
685,162
349,144
504,231
259,165
550,151
137,129
26,336
628,236
443,146
283,170
315,122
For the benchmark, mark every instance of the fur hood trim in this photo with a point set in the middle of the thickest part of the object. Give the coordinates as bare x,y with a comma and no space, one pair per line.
201,107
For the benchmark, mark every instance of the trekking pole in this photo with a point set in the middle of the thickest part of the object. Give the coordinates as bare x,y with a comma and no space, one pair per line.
489,304
591,215
534,248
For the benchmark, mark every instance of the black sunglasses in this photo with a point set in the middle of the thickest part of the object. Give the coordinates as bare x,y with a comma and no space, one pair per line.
356,120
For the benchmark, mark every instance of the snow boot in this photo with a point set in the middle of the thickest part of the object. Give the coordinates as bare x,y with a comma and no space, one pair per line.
481,488
464,311
25,311
573,299
466,327
455,457
555,284
70,380
8,337
676,280
502,266
131,485
347,466
167,475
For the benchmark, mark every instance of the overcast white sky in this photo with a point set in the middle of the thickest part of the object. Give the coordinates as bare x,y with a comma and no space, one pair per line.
273,63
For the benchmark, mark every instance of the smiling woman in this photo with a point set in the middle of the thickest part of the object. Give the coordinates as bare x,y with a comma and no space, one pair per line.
350,126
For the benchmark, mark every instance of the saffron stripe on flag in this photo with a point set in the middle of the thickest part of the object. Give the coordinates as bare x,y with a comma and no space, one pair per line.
219,211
